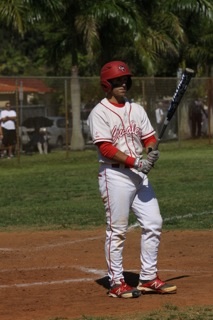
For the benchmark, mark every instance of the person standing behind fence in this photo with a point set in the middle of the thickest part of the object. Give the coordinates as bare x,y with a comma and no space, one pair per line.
8,123
159,116
1,138
42,143
205,127
196,110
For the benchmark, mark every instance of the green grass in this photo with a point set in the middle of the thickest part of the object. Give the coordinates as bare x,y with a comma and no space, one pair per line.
56,191
169,312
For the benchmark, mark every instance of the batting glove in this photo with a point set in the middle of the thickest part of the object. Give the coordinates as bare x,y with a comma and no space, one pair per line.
153,156
143,165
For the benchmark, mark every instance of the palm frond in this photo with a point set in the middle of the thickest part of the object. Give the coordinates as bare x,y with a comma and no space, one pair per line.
12,14
202,7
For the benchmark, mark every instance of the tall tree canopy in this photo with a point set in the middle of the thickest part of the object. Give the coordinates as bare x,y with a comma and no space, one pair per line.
154,37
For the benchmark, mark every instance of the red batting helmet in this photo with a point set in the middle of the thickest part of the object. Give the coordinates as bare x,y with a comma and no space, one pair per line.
112,70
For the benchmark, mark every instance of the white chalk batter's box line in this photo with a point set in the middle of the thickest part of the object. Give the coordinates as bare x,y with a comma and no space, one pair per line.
186,216
131,227
55,245
100,273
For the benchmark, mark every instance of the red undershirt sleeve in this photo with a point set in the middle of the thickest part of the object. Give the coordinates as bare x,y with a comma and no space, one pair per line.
149,140
107,149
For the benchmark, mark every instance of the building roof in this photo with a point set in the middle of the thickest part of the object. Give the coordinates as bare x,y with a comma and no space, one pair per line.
10,85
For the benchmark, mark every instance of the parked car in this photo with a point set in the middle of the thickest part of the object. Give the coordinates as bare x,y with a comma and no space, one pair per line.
57,132
85,128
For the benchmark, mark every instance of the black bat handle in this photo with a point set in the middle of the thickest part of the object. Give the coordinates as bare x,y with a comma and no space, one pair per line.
176,99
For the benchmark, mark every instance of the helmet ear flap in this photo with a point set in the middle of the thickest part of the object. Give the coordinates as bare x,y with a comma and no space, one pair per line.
106,85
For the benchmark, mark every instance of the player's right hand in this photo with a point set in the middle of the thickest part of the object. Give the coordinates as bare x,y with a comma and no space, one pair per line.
143,165
153,156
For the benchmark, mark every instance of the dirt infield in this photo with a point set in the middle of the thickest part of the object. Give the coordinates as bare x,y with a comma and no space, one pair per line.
45,275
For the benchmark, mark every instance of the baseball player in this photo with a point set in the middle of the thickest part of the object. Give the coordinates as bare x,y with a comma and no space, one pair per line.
121,131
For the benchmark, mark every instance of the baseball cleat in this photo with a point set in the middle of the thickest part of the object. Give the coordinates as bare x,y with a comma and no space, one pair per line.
123,291
157,286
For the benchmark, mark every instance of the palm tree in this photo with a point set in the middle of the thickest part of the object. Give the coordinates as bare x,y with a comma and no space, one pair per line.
196,19
19,20
197,49
141,32
165,29
23,15
79,32
93,15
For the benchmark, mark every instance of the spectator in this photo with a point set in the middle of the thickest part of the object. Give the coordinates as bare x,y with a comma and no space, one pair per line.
196,111
42,142
1,137
159,116
8,123
205,127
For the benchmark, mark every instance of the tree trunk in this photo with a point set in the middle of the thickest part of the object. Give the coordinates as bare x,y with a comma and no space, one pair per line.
77,140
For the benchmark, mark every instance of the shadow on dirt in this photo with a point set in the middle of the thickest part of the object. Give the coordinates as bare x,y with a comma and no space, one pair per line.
132,279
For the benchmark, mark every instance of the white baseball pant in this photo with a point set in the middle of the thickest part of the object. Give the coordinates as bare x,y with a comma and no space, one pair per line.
123,189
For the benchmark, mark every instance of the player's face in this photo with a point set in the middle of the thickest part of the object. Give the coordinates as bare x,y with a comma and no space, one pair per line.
7,105
119,87
119,82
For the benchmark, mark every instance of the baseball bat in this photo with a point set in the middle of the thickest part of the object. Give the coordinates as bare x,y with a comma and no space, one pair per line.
176,99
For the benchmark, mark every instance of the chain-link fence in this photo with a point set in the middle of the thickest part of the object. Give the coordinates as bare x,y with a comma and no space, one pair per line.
55,108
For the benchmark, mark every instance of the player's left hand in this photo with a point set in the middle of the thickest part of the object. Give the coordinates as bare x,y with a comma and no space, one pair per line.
153,156
143,165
